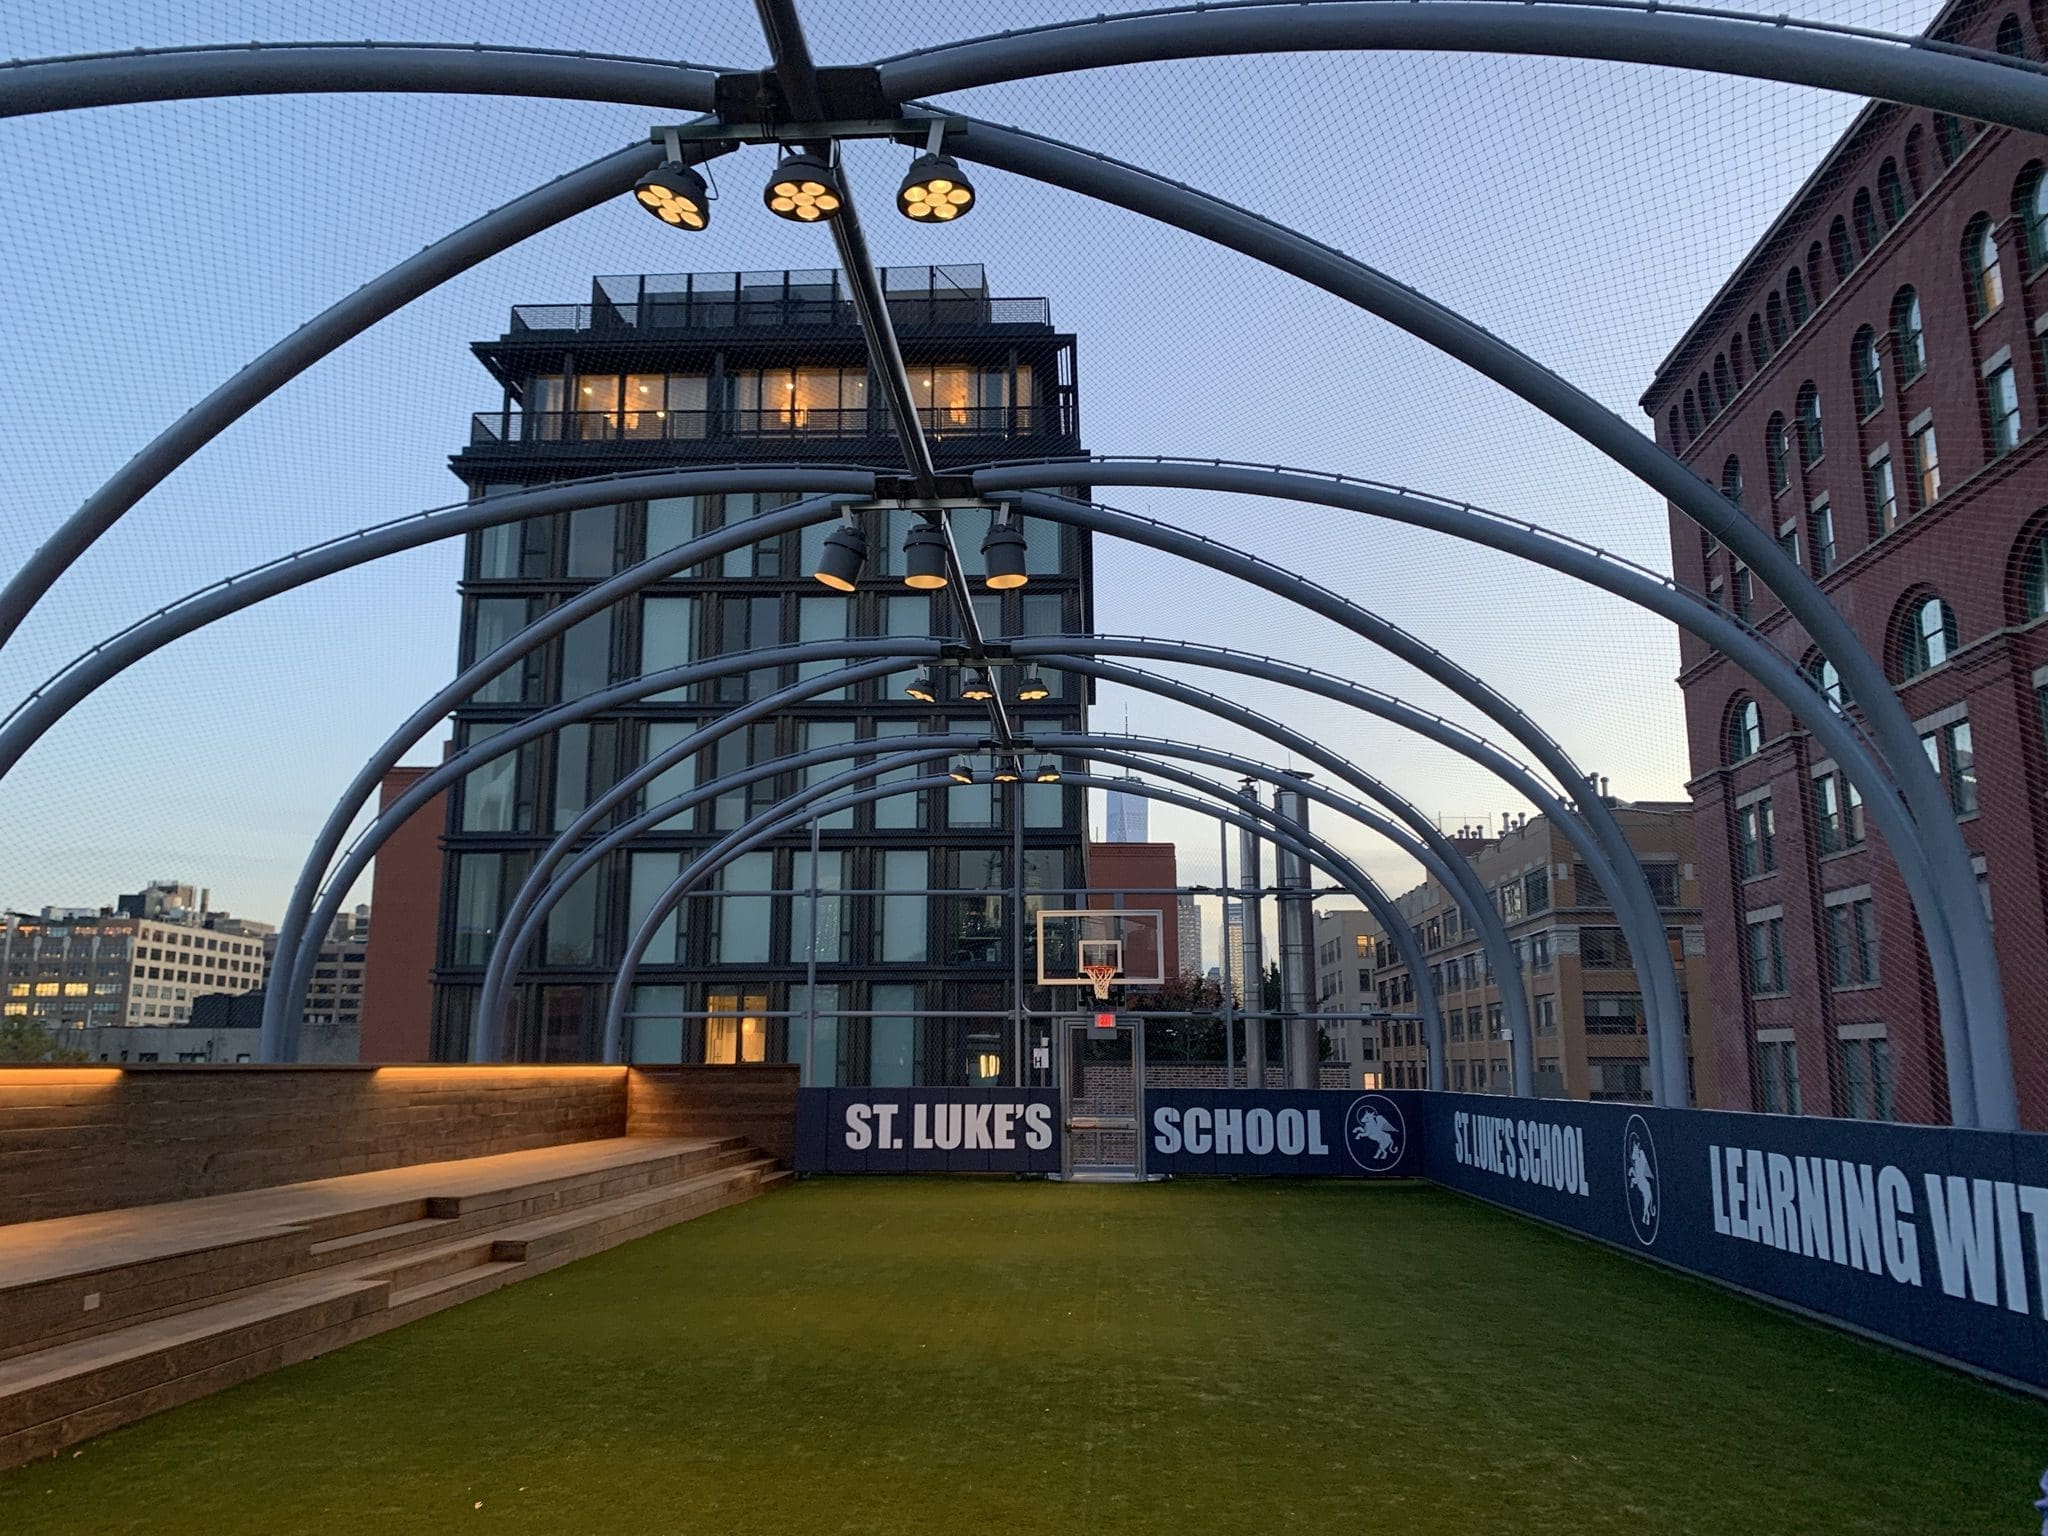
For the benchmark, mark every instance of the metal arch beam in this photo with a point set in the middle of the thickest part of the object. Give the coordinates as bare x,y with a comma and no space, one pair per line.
48,704
279,1045
1964,1059
1634,904
292,953
1384,911
1966,82
273,69
772,823
534,902
1986,1094
497,230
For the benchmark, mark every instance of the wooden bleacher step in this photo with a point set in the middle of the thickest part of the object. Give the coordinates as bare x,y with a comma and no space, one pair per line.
357,1245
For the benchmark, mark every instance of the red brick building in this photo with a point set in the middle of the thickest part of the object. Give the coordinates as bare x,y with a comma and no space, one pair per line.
398,978
1134,875
1870,386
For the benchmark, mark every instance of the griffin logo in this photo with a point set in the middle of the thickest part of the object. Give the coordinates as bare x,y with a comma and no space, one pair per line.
1374,1133
1639,1180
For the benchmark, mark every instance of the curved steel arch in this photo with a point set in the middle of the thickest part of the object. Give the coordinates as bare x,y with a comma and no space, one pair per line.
1435,855
774,822
1986,1093
31,86
540,209
281,1029
1966,81
281,1006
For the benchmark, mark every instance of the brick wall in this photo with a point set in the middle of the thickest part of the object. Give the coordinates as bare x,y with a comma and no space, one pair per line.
757,1102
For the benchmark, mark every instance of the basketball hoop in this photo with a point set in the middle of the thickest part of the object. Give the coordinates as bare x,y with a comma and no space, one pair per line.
1101,978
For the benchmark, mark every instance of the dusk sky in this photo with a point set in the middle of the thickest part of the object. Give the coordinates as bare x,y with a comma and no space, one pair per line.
1584,212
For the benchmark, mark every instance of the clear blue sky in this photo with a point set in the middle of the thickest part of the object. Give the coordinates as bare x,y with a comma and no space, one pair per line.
1584,212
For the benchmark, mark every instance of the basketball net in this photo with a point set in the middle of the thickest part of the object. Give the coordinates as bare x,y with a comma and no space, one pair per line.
1101,978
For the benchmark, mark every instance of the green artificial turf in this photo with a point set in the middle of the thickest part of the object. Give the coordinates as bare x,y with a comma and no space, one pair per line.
979,1356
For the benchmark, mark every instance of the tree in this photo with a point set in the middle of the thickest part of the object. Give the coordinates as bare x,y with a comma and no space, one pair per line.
22,1040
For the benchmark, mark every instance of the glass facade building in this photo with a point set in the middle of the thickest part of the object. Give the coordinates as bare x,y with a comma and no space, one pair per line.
712,369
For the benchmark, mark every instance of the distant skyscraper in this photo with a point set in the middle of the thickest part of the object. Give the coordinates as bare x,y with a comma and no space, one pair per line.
1233,946
1127,822
1190,937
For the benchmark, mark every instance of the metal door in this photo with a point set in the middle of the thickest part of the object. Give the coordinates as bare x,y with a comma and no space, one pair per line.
1101,1076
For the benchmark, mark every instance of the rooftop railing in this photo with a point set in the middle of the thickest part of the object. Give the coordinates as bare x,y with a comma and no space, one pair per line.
919,298
510,427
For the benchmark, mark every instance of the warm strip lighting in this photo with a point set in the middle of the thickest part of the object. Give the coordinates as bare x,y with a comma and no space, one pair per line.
59,1075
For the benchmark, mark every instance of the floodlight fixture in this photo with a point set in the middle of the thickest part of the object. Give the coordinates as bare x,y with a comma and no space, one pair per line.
977,687
1006,772
1002,554
846,551
962,772
921,687
1033,686
675,194
804,189
1047,772
924,557
935,190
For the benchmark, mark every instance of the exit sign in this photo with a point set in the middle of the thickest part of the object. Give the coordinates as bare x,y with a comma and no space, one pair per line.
1105,1021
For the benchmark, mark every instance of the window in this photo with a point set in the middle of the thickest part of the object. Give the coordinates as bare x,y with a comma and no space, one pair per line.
1795,297
2009,42
1980,267
1614,1013
1546,1015
1539,952
1908,340
1731,486
1864,212
1604,949
1745,730
1840,252
2030,204
1457,1025
1884,497
1778,452
1852,943
1766,955
1869,376
1810,445
1692,416
1928,637
1891,196
1827,682
2034,578
1948,137
1788,540
1926,465
1866,1065
1756,839
1822,520
1950,750
1777,1073
1838,813
1496,1025
902,917
1724,382
1536,890
1745,592
2002,405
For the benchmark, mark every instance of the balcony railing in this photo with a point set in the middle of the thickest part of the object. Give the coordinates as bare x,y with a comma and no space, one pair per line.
778,310
508,427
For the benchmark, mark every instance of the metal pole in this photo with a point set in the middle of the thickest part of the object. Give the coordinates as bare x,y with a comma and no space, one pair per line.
1223,924
1253,947
811,974
1017,923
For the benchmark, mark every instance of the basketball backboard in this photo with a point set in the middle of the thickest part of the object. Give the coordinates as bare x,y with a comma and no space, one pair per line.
1130,937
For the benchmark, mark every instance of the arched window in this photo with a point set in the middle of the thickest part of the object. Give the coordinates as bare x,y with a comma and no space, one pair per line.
1814,286
1706,392
1810,445
1759,343
1915,138
1980,267
1731,479
1775,455
1927,637
1692,417
1745,730
2034,577
1840,251
1948,137
1907,340
1864,212
1738,364
1827,682
1891,196
1869,377
2010,42
1795,297
1724,385
2030,211
1774,312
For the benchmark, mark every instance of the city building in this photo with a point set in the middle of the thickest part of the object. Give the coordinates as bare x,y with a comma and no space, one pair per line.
1234,950
1585,1000
706,369
136,964
1145,876
1188,935
1869,385
1344,986
398,965
1129,819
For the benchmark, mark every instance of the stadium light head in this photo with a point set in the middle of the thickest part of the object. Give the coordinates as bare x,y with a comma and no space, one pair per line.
1006,772
962,772
1033,687
977,687
676,195
846,551
924,557
921,687
804,189
1047,772
935,190
1002,554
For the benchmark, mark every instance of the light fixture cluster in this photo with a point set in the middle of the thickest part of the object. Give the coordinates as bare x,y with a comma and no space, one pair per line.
1006,772
926,567
979,686
807,189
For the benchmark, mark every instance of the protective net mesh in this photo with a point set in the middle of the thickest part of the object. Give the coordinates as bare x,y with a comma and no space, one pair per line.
1585,212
